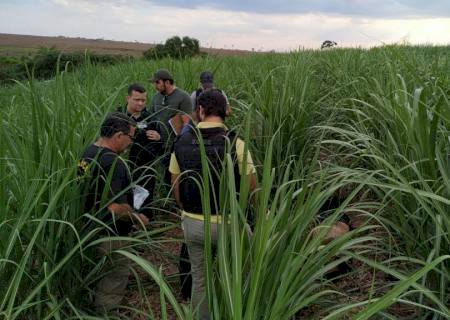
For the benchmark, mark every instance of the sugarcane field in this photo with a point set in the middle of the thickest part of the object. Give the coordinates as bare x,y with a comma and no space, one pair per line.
310,184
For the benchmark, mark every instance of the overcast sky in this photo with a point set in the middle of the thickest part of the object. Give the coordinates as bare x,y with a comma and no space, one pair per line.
241,24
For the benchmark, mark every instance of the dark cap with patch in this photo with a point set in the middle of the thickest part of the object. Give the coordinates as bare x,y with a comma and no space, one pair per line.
161,74
206,79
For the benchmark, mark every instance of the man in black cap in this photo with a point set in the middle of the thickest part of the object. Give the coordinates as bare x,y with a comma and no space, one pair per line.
171,108
207,82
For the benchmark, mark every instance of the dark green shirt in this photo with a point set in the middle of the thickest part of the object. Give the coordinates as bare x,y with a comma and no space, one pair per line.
164,107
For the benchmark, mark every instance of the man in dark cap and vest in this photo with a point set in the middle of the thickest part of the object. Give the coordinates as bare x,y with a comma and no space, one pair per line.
108,195
207,82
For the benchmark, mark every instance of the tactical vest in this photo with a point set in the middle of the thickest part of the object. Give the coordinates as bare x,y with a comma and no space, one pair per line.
143,150
188,154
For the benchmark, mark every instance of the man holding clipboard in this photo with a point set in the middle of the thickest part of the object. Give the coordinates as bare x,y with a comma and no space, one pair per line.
171,109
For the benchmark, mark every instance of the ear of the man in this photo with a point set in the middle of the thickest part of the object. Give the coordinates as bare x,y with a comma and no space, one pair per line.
228,110
201,111
117,134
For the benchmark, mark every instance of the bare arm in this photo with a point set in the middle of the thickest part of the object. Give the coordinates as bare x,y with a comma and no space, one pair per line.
186,118
253,185
178,122
123,211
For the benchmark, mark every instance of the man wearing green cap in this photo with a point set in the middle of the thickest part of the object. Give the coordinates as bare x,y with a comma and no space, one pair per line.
172,108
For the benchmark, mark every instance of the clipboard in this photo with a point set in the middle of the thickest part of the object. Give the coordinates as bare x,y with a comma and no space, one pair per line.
171,124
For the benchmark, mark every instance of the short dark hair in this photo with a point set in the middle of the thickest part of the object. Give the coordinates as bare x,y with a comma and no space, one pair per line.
136,87
213,103
116,122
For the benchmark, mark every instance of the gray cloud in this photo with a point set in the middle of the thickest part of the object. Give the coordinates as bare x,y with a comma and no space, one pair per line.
363,8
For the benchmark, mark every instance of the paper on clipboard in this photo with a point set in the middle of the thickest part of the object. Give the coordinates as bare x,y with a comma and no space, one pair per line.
139,195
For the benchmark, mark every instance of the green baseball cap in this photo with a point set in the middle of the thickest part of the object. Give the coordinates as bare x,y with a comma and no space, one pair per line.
161,74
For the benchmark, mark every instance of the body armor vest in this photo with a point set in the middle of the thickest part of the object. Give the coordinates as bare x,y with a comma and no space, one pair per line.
188,154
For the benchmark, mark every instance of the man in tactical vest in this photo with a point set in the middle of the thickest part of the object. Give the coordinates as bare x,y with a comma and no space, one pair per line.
186,160
207,82
107,183
146,144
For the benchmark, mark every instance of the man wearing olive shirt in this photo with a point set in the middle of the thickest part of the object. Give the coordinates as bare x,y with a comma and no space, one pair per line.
171,107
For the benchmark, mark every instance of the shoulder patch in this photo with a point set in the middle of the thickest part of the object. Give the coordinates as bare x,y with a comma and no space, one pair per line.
83,166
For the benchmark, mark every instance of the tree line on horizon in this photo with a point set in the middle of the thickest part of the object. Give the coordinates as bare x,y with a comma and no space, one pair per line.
46,61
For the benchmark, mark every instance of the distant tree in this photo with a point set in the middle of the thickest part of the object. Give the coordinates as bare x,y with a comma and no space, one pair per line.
174,47
328,44
157,52
190,47
44,62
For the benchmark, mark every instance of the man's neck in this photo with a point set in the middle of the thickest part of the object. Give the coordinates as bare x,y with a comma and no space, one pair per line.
134,114
106,143
215,119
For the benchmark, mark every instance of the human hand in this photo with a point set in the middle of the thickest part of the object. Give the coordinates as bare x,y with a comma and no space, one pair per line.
140,220
143,219
153,135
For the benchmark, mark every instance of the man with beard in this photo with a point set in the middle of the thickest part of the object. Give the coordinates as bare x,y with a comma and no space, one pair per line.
171,108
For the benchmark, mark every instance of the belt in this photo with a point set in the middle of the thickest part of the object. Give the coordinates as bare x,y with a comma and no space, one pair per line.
201,217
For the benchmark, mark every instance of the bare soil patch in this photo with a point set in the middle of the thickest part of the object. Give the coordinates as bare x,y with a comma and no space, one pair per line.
15,44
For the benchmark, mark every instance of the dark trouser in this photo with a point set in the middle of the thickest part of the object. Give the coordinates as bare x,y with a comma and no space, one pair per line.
165,162
111,287
184,268
194,237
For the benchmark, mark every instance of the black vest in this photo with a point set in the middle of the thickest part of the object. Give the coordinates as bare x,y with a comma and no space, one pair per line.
143,151
188,154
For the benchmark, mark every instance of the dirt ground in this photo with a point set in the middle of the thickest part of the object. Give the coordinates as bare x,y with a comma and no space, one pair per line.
359,283
13,45
164,256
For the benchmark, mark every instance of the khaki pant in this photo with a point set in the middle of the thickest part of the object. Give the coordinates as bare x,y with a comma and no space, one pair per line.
195,237
111,288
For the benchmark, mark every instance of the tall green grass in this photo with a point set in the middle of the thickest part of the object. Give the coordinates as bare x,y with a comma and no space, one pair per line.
369,121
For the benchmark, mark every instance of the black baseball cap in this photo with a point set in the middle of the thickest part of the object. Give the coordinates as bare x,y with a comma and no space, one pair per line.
161,74
206,77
